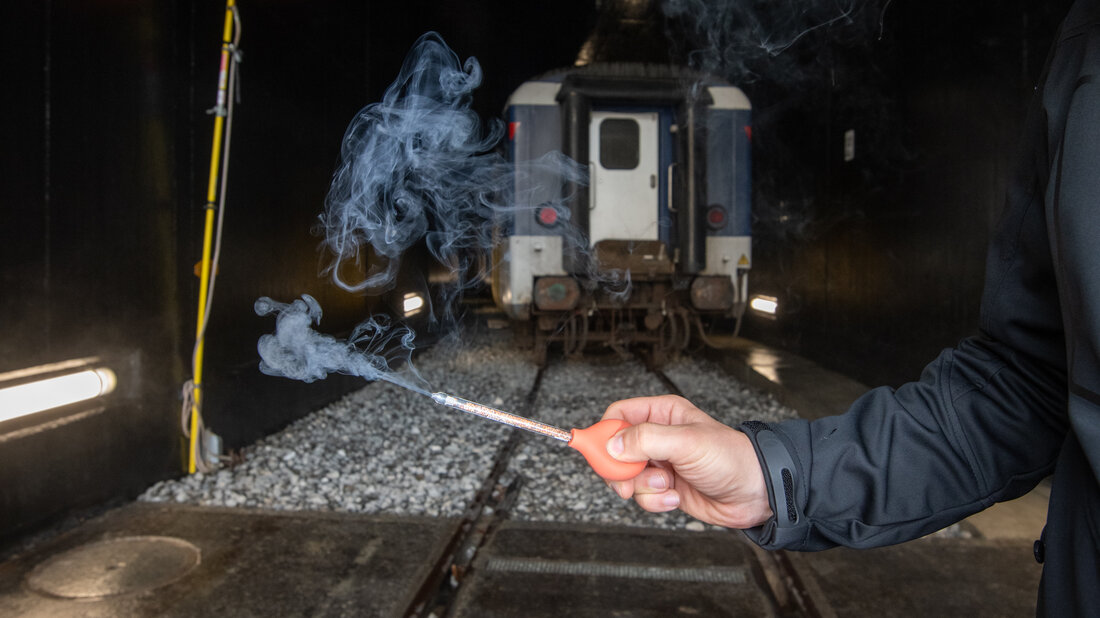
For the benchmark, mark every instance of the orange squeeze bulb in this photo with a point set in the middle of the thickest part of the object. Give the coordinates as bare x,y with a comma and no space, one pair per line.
591,442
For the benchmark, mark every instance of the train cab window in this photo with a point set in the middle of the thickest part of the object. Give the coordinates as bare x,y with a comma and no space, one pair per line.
619,144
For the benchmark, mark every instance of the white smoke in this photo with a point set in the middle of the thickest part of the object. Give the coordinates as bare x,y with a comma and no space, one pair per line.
419,166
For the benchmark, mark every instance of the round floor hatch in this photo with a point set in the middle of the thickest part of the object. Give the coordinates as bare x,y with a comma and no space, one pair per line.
116,566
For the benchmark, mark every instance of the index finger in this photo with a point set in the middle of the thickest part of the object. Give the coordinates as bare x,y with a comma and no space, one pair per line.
663,410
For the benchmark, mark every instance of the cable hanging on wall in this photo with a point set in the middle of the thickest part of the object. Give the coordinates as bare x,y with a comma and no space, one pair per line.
203,449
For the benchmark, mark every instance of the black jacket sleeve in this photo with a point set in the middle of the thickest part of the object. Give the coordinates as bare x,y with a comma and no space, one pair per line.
977,429
987,418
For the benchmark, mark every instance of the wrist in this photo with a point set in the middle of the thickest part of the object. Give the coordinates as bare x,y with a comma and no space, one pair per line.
753,489
780,474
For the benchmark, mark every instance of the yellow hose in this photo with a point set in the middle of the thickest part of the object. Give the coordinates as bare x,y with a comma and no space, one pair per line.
208,230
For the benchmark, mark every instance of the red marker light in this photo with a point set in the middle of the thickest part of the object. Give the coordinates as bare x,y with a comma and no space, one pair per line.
716,217
547,215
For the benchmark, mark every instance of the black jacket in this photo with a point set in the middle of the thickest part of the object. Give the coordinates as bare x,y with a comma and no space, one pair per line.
992,417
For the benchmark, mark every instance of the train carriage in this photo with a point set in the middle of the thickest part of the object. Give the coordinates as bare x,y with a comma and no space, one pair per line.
658,238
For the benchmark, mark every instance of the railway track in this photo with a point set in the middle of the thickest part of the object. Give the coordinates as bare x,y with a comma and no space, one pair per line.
493,503
484,513
386,451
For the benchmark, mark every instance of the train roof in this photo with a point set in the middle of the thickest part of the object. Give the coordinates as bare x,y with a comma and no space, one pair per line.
544,89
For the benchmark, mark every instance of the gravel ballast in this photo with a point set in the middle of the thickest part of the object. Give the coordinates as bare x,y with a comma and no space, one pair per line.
385,450
559,486
381,449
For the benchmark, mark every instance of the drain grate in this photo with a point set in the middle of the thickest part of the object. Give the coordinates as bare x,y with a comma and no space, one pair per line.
113,567
716,575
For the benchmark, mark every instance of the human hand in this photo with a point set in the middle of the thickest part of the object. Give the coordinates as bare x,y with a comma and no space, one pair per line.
707,469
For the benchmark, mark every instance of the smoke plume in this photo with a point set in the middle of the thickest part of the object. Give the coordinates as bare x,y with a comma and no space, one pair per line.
419,166
297,351
416,165
746,41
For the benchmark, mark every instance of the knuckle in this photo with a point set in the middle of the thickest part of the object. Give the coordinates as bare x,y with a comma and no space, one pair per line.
646,502
652,503
678,399
644,437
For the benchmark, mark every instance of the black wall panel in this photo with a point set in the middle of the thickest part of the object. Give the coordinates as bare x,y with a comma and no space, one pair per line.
878,262
89,252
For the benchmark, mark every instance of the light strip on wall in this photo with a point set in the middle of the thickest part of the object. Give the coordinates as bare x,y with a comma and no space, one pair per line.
764,304
413,303
54,392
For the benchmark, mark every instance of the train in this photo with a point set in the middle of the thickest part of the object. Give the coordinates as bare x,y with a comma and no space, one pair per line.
656,241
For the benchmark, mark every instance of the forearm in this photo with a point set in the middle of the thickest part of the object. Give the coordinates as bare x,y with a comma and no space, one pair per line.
981,426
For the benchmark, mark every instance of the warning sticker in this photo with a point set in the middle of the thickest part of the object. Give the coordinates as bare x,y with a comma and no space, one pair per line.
744,261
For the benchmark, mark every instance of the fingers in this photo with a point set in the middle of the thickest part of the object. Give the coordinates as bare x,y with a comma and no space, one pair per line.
675,444
659,503
697,464
647,409
665,410
653,490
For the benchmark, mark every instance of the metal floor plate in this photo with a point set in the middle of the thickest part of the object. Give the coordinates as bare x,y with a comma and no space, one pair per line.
116,566
543,569
253,563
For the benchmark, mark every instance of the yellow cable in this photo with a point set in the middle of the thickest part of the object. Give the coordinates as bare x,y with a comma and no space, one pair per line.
208,231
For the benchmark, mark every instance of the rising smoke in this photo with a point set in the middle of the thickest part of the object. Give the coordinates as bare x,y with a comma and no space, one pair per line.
746,41
297,351
417,167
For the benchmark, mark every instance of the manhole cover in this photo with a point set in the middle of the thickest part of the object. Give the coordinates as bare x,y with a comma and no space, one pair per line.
116,566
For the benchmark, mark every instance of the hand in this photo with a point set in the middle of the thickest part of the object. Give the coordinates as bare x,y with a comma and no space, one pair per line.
707,469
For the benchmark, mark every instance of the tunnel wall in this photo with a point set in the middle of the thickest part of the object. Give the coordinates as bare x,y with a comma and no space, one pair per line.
878,261
90,247
104,164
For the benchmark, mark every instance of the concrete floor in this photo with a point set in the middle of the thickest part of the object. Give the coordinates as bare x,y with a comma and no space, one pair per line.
253,563
933,576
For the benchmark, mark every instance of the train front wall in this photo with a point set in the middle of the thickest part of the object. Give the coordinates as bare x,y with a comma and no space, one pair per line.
729,187
528,250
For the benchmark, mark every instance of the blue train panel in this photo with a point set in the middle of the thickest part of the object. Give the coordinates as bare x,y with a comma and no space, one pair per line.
666,202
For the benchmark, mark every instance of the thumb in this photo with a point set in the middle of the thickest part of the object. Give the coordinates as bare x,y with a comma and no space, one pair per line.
672,443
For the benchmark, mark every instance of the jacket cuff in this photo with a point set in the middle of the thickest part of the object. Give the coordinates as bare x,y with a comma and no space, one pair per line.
787,528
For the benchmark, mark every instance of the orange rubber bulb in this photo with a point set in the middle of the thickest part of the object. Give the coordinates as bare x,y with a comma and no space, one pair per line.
592,443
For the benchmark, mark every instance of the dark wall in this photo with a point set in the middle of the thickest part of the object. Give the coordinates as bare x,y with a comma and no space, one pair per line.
89,252
878,262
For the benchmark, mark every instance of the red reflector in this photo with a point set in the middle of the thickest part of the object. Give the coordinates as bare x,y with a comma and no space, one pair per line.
716,217
748,131
547,215
512,128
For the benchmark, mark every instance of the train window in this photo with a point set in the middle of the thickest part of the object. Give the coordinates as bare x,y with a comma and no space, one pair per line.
619,144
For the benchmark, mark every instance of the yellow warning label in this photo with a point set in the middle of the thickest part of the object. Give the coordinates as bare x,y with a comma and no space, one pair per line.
744,261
